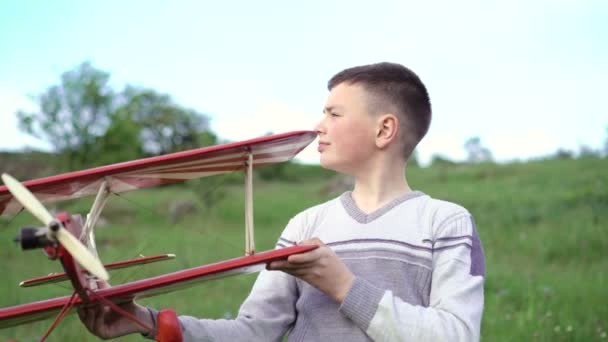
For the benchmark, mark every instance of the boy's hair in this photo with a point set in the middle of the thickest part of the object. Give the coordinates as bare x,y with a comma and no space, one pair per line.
393,88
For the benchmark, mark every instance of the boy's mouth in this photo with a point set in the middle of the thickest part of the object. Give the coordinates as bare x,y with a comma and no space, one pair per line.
322,146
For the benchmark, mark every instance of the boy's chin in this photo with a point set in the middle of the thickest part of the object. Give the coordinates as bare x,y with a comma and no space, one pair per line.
326,164
333,165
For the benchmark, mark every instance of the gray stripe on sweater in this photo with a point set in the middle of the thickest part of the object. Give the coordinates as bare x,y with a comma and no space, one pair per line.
388,241
478,264
383,253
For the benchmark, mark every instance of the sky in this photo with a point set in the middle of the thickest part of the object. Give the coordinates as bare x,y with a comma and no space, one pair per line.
526,77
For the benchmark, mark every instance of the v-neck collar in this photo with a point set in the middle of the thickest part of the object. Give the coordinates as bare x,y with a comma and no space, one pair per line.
360,216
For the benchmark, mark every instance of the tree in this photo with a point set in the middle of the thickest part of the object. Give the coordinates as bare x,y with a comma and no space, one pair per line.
121,140
165,126
207,138
563,153
441,161
585,151
476,152
72,114
89,124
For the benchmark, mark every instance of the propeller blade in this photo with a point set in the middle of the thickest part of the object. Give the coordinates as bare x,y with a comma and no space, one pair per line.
69,242
81,254
25,197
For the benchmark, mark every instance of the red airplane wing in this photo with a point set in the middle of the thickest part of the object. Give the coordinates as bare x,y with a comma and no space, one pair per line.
25,313
164,169
59,277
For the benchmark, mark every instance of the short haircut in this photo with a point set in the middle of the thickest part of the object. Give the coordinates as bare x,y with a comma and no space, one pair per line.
393,88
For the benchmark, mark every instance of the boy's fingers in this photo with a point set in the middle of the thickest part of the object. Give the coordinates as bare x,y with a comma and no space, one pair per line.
276,264
299,271
307,257
284,265
301,260
87,316
313,241
101,317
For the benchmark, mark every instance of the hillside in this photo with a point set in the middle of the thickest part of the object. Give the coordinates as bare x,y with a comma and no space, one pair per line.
27,165
543,224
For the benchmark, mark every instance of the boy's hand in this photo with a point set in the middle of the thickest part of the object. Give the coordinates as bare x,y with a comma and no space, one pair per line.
106,323
320,268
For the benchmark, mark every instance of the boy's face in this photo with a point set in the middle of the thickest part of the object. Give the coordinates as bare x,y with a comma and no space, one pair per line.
347,130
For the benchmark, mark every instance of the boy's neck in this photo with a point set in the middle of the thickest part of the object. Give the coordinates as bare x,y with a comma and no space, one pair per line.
379,186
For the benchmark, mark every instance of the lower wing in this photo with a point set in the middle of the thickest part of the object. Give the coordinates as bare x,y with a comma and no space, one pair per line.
165,283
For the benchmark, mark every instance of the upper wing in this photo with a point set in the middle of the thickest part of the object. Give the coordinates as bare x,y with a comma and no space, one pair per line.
25,313
164,169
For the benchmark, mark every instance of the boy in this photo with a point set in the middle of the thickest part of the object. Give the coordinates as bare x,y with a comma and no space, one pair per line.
392,264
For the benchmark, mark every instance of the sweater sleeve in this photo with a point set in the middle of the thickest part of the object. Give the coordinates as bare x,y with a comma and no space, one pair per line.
266,315
456,297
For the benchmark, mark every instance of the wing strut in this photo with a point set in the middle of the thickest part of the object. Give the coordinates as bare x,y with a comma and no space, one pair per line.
100,201
88,229
249,239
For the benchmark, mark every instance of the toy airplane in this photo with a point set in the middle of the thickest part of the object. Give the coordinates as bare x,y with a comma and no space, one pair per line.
67,238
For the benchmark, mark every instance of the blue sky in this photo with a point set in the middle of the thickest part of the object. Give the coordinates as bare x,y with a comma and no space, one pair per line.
527,77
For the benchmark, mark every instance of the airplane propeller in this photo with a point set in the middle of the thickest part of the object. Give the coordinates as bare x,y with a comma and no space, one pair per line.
56,229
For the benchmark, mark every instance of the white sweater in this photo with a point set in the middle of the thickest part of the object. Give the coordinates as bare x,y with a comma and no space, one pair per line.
419,270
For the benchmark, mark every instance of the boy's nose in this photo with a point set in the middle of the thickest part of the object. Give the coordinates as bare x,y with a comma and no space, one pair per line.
319,127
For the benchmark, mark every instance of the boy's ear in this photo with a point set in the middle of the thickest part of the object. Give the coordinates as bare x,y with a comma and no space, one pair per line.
387,129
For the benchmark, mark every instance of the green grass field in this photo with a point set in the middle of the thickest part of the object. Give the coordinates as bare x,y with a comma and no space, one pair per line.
543,224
